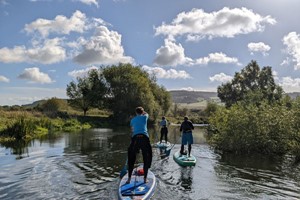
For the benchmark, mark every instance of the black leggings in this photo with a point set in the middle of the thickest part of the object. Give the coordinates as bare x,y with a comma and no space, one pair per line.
138,142
164,133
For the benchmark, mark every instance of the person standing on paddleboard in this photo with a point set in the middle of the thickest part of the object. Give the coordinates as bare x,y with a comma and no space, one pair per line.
187,136
139,140
164,129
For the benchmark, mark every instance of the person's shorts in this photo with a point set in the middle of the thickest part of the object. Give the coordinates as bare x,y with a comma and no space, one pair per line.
187,138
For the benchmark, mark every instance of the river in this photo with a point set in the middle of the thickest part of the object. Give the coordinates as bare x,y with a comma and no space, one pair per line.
86,165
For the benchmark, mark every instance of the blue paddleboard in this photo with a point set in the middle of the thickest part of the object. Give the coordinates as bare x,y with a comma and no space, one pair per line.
163,144
137,189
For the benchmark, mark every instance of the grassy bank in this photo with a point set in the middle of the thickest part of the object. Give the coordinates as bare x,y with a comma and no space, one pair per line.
16,125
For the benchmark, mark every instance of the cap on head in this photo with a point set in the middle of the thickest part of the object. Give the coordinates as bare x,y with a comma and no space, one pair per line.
139,110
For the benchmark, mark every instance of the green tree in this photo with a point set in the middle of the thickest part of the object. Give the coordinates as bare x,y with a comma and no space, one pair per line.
251,84
129,87
88,92
52,106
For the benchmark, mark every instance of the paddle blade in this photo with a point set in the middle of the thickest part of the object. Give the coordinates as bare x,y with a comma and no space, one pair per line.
168,152
123,172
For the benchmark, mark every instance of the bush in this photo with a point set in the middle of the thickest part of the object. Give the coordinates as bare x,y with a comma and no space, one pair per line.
244,129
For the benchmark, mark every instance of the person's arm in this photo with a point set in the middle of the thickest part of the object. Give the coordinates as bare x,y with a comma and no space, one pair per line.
192,126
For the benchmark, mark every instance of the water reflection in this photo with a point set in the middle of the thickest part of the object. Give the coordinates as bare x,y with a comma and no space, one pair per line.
86,165
186,178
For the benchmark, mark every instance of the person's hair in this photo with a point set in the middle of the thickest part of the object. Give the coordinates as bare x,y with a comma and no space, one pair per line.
186,118
139,110
163,117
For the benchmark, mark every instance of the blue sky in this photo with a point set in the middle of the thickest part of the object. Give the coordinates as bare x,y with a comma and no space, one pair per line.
190,44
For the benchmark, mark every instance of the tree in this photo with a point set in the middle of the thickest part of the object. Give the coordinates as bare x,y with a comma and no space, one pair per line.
129,87
52,106
88,92
252,84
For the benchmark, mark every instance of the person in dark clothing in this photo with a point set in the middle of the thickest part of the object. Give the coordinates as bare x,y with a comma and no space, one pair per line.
187,136
139,140
164,129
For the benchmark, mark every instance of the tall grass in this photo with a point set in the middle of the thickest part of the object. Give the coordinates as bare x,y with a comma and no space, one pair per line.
27,125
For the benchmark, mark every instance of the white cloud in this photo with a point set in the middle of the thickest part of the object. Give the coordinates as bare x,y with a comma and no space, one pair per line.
188,89
16,54
47,53
259,47
166,74
217,58
4,79
226,22
221,77
103,48
292,42
35,76
90,2
289,84
81,73
60,25
171,55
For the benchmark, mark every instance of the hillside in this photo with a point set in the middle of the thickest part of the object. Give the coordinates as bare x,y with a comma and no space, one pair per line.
184,96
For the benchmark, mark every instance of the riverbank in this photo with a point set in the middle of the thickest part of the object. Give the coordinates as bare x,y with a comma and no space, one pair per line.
24,125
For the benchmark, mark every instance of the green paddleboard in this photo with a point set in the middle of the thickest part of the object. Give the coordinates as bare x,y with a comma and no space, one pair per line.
184,160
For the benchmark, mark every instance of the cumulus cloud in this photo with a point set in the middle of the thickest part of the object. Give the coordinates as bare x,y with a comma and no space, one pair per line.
4,79
259,47
166,74
226,22
221,77
292,43
35,76
81,73
89,2
60,25
217,58
46,53
289,84
103,48
171,54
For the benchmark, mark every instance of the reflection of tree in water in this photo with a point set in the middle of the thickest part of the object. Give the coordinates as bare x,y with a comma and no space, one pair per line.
186,178
103,151
18,147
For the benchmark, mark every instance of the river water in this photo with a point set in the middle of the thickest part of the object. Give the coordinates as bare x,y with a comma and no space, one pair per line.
86,165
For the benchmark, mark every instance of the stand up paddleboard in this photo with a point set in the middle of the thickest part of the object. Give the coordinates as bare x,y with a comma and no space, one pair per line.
163,144
184,160
137,189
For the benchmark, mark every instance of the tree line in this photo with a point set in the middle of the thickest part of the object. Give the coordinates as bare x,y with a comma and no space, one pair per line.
120,89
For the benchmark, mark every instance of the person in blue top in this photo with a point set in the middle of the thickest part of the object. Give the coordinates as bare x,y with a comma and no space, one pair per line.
187,136
139,140
164,129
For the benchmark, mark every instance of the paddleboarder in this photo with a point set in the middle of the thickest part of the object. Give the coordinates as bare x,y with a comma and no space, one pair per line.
187,136
164,129
139,140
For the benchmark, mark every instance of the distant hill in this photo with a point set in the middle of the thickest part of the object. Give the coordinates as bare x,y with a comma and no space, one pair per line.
294,95
184,96
181,97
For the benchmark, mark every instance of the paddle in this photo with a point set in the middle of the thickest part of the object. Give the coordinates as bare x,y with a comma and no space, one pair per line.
124,170
167,152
